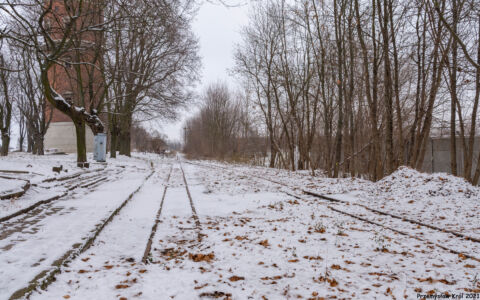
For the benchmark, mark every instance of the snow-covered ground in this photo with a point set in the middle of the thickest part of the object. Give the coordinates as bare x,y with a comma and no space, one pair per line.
237,232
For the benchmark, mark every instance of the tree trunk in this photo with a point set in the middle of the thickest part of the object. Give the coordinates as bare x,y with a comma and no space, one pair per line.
21,140
273,155
5,143
81,141
476,176
340,84
453,94
124,143
388,93
113,142
38,147
30,144
124,135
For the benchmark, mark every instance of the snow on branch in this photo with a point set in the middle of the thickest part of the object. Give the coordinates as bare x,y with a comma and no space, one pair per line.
92,119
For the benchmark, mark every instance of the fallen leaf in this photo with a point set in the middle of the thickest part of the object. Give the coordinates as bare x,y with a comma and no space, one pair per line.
201,257
333,282
121,286
264,243
336,267
201,286
216,294
236,278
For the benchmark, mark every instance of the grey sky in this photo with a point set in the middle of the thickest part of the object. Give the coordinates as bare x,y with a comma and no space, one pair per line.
218,28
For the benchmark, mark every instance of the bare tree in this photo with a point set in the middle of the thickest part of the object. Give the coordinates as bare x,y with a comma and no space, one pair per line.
368,78
49,29
213,132
127,59
6,104
31,103
153,63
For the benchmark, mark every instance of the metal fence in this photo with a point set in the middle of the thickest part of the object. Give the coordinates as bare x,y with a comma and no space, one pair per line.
437,156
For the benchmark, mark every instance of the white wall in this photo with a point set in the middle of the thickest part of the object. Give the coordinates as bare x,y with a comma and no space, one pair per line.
61,136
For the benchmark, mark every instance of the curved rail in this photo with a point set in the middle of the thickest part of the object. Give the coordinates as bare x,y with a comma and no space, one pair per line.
46,277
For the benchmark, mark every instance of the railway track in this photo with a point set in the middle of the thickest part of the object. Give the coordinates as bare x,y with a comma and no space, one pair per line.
29,217
18,193
194,211
70,180
70,186
70,176
148,248
147,257
47,276
43,279
451,241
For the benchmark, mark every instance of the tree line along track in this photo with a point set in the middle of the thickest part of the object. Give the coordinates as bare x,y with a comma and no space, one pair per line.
71,185
374,211
46,277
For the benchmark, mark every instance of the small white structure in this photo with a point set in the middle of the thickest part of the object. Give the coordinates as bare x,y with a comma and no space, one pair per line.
100,153
62,137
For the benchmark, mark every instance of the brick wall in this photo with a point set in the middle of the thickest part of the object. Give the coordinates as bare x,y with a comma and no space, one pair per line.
64,75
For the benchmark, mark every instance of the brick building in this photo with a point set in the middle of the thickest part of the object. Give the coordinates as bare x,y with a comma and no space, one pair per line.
77,76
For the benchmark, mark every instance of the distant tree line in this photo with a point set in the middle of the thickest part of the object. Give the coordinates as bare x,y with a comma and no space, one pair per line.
145,141
223,128
126,61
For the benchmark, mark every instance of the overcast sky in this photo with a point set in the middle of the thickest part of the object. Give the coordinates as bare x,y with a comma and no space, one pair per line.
218,29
